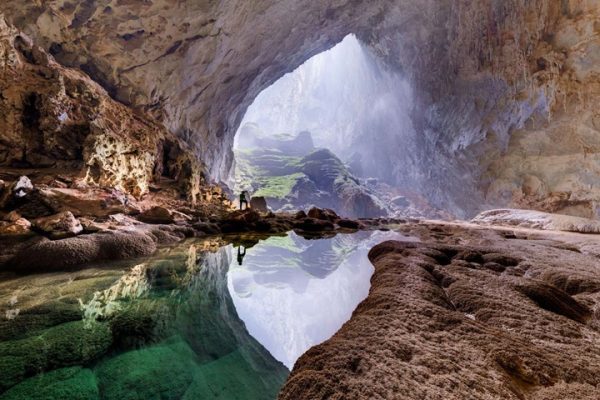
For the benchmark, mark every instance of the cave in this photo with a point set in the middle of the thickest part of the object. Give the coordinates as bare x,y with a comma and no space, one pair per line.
298,199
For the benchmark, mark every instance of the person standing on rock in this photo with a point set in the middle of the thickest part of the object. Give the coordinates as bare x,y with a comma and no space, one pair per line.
243,199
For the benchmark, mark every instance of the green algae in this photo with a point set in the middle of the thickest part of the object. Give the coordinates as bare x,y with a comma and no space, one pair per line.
278,187
158,372
177,340
64,345
73,383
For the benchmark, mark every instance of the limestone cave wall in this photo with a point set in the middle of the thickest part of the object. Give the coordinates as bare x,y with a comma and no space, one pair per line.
506,90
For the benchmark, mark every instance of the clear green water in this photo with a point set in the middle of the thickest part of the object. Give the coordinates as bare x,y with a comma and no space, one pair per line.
189,323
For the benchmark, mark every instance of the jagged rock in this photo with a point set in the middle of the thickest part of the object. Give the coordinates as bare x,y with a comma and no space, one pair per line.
300,215
322,214
59,226
58,117
19,227
16,192
259,203
22,187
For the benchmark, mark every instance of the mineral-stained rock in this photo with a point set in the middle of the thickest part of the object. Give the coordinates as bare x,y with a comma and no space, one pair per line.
57,117
59,226
19,227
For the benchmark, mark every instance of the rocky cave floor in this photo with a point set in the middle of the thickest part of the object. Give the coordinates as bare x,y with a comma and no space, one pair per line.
469,311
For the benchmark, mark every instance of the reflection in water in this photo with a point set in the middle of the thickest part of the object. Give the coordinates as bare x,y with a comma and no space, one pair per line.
167,327
162,329
240,255
294,293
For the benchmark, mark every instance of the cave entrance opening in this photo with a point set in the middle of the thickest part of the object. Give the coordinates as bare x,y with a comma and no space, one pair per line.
322,135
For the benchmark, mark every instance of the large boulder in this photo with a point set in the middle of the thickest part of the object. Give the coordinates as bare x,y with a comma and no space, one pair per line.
157,215
49,255
259,203
59,226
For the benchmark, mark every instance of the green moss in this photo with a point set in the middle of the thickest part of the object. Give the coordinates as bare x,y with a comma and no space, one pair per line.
73,383
277,187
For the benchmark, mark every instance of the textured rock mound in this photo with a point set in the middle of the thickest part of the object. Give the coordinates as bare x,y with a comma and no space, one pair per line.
537,220
446,321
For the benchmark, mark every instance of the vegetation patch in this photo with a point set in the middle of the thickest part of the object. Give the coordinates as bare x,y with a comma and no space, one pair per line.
277,187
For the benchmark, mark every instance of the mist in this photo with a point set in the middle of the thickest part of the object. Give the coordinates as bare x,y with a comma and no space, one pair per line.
349,102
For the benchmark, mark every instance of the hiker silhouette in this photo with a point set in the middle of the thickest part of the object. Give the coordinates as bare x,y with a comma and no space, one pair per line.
243,199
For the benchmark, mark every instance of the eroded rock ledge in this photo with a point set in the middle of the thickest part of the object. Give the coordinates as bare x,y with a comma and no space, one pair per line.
466,321
59,120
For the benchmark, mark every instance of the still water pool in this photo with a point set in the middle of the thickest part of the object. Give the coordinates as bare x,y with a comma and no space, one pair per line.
201,320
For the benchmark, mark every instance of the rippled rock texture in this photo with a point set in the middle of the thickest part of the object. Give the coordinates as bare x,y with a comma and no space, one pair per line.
503,315
478,71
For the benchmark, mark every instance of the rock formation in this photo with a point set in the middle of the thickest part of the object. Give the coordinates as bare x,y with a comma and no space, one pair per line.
292,175
515,317
59,119
479,71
